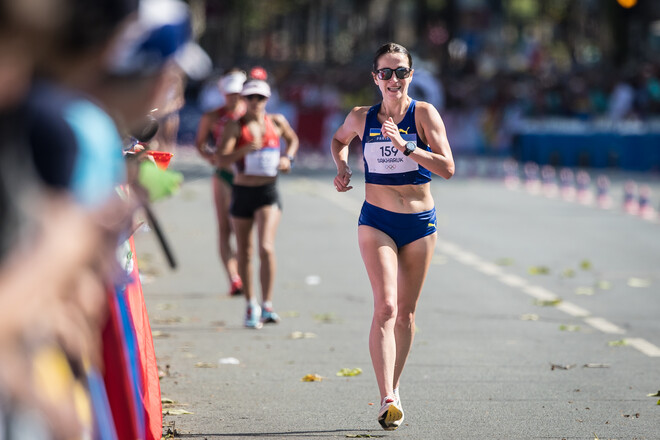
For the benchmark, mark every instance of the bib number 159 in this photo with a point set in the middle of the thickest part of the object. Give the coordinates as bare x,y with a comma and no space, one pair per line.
388,151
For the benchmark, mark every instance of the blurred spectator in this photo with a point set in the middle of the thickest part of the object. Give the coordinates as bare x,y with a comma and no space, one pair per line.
167,110
621,100
60,216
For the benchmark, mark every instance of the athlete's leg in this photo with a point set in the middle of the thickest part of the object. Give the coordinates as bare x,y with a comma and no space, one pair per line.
243,230
379,254
222,197
268,219
414,261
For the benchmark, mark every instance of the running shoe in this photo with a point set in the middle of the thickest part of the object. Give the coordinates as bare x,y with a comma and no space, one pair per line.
268,316
390,415
236,287
253,316
398,403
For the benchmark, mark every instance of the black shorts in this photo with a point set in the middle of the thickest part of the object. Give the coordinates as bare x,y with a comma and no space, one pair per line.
245,200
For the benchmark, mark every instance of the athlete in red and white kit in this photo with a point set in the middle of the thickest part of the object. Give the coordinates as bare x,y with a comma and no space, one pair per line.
209,133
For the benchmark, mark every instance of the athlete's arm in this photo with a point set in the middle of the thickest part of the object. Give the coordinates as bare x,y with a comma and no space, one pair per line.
431,131
440,160
352,126
227,151
291,139
203,130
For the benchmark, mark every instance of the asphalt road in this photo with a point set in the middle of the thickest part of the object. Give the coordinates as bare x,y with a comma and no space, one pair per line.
538,320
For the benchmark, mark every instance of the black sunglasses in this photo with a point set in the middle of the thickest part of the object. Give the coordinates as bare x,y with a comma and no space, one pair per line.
385,74
257,97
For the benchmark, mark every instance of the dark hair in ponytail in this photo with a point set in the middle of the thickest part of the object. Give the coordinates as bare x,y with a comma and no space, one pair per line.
391,48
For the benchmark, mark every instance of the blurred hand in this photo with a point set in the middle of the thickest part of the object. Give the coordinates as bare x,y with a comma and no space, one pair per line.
343,179
255,145
391,130
285,164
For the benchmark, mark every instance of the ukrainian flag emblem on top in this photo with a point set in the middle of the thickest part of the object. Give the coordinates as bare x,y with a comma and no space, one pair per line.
374,132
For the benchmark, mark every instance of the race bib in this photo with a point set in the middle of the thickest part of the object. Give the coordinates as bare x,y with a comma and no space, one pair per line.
264,162
383,158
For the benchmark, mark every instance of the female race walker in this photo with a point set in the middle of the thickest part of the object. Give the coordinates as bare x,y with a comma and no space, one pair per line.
209,133
252,145
403,142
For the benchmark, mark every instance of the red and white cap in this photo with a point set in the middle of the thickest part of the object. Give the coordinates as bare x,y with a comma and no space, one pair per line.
256,87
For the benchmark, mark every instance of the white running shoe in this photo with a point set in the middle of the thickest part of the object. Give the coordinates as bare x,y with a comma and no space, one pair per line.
390,415
253,316
398,403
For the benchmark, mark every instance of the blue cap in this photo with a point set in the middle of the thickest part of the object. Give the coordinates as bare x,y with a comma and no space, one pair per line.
161,32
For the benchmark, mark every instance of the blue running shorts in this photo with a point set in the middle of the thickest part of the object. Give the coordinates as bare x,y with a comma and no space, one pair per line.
402,228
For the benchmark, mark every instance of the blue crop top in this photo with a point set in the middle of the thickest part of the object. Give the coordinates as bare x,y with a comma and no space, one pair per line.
383,163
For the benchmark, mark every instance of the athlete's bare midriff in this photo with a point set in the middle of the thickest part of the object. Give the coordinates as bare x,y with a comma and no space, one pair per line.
405,199
247,180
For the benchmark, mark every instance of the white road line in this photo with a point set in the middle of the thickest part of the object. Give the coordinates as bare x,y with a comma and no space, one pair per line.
604,325
513,280
644,346
572,309
448,248
537,292
467,258
489,268
540,293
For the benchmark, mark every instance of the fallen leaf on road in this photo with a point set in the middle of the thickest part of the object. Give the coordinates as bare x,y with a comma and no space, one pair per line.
229,361
584,290
604,285
205,365
349,371
639,282
547,302
175,412
165,400
301,335
617,343
326,317
529,317
596,366
569,328
561,367
290,314
504,261
167,320
159,334
166,306
631,416
654,394
363,436
568,273
538,270
585,265
312,378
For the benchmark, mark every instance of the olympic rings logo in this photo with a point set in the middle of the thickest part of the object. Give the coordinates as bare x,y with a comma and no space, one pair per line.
390,167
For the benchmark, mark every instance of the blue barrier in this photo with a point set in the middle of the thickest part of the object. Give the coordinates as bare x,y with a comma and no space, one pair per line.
637,150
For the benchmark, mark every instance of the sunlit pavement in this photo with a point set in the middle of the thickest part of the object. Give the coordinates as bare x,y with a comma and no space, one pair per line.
539,317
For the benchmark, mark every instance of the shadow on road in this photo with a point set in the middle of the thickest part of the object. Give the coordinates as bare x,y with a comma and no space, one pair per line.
358,434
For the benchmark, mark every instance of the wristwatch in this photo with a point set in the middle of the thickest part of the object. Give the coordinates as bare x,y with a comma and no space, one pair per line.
410,147
291,158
